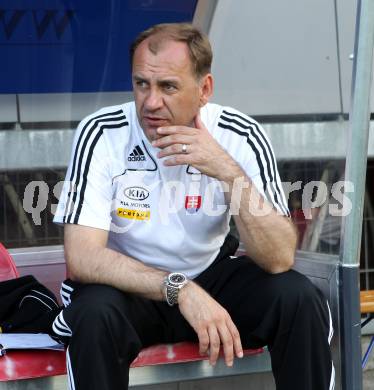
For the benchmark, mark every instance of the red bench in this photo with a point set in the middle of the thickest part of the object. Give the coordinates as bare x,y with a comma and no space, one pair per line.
20,365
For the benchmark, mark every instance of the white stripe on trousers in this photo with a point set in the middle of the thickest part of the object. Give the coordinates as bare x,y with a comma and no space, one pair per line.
65,293
59,326
69,371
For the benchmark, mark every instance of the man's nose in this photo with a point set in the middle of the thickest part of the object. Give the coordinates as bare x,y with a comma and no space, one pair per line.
153,100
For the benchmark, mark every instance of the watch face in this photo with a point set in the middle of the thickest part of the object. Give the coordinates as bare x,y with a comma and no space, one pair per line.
177,278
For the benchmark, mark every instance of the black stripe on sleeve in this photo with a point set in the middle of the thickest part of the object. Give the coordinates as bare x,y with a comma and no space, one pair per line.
259,162
255,149
84,137
88,162
230,120
82,134
273,175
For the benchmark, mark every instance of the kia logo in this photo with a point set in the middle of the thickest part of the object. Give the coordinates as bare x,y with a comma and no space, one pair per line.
136,193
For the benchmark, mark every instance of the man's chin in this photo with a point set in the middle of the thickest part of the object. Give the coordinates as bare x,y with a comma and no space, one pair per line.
151,133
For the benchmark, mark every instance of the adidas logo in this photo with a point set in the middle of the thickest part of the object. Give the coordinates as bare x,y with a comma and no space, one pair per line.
136,155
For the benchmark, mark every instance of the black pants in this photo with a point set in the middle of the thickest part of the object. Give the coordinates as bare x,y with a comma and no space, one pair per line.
106,328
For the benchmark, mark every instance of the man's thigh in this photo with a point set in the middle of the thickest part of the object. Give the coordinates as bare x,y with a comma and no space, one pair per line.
151,320
261,304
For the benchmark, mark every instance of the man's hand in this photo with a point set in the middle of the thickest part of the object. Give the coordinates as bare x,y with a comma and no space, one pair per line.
203,152
211,322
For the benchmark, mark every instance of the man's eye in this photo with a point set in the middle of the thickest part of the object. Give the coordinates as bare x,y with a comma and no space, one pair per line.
169,87
141,84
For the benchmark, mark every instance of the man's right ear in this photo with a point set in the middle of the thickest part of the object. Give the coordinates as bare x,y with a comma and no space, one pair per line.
206,89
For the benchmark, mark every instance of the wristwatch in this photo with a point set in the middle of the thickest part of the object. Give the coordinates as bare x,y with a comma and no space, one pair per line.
173,283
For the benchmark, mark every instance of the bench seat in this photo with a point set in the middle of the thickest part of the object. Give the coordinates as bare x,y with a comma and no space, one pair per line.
31,364
367,301
26,364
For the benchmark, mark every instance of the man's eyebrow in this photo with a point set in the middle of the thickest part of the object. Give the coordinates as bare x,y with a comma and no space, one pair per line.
161,81
139,78
168,81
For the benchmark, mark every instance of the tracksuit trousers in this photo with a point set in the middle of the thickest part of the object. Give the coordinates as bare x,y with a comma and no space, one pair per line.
106,328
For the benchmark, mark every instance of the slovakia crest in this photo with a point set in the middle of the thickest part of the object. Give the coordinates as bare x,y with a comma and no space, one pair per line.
192,203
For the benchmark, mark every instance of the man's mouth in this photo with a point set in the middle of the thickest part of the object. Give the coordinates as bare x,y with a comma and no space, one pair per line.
154,120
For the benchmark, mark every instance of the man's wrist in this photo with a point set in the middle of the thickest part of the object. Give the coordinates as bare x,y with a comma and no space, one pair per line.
174,283
183,293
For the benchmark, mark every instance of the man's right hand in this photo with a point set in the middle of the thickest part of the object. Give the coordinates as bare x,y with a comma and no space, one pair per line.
211,322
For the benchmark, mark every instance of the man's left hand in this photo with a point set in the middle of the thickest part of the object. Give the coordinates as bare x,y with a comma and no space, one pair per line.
202,151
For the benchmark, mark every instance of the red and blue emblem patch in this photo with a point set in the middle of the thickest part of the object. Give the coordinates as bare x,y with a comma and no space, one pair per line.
192,203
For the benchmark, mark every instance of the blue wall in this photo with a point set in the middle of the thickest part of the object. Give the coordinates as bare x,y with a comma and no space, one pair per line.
75,46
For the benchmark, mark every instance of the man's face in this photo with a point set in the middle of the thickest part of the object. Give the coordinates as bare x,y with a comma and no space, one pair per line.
166,91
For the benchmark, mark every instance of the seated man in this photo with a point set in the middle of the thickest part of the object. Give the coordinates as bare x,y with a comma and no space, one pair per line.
149,193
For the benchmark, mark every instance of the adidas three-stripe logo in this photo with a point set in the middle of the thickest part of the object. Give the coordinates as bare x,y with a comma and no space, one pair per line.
136,155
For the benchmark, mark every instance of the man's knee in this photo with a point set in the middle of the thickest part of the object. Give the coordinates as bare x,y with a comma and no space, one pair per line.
298,295
98,321
99,312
